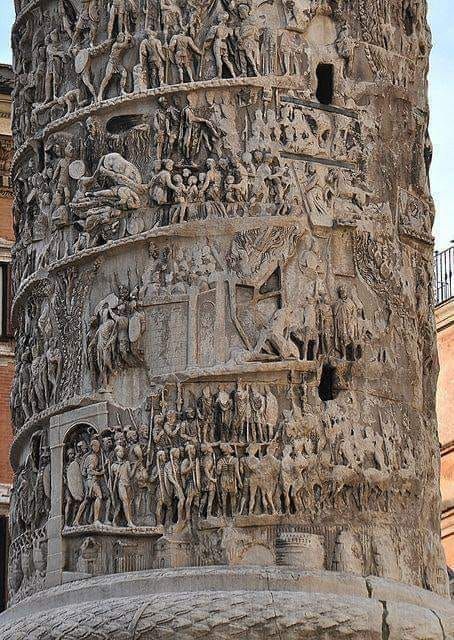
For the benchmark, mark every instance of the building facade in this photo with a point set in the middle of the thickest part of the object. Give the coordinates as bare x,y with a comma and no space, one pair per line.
6,345
444,314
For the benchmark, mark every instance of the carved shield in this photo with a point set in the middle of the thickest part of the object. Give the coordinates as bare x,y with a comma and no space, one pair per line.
135,225
135,328
77,169
74,481
81,60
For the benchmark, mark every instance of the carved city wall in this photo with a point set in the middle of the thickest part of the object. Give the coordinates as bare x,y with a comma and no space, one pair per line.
223,289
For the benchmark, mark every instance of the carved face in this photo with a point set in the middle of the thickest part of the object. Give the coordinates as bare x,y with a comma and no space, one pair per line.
342,293
171,417
120,438
95,446
243,11
143,431
226,449
107,443
82,447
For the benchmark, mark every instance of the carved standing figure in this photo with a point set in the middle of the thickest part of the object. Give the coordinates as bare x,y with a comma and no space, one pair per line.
229,479
182,48
92,472
346,329
54,59
122,473
152,61
219,38
248,38
115,65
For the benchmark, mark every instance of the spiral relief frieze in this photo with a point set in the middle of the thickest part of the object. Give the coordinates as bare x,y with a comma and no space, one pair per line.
223,291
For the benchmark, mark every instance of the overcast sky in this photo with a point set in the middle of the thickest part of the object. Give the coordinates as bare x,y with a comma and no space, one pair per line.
441,97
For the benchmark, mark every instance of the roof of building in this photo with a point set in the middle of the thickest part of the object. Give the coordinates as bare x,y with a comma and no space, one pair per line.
6,78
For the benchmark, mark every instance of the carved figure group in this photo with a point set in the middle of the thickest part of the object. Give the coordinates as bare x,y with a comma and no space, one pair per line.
113,341
234,453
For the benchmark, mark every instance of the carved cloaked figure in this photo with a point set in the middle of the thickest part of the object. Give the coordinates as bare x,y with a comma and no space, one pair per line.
229,478
346,326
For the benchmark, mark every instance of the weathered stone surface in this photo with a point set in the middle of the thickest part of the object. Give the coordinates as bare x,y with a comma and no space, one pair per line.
220,614
223,293
412,623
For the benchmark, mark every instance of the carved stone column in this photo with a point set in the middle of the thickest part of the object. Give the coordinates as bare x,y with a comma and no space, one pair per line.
224,398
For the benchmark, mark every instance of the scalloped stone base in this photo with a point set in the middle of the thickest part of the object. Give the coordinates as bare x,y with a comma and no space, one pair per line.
221,603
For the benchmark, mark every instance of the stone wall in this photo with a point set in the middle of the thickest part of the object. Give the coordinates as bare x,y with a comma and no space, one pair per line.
445,408
223,290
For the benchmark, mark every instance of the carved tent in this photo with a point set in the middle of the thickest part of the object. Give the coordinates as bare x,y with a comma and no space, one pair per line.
223,298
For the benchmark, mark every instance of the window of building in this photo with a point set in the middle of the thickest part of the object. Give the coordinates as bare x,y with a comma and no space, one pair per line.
325,83
5,301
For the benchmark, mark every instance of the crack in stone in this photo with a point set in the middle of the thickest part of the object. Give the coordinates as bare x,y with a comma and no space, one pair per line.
385,632
274,606
443,633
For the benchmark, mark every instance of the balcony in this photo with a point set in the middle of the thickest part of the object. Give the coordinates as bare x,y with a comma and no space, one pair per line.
444,276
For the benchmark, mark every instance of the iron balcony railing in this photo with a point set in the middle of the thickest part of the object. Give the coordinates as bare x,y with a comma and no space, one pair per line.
444,275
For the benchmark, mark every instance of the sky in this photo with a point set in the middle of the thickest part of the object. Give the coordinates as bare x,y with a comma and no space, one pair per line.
441,102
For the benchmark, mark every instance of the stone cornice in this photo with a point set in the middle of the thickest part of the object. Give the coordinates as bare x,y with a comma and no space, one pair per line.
444,315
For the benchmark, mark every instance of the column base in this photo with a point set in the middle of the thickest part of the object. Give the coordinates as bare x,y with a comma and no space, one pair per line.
220,603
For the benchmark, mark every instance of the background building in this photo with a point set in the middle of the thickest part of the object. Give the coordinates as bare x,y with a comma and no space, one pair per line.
445,400
6,346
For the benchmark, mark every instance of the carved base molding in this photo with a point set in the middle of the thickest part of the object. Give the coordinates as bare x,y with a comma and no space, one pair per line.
246,602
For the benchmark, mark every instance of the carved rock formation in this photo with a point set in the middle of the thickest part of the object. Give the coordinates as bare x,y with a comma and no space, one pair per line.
223,301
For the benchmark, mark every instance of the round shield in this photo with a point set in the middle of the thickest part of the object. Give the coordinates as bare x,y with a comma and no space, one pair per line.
75,481
135,327
81,60
135,225
77,169
46,481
